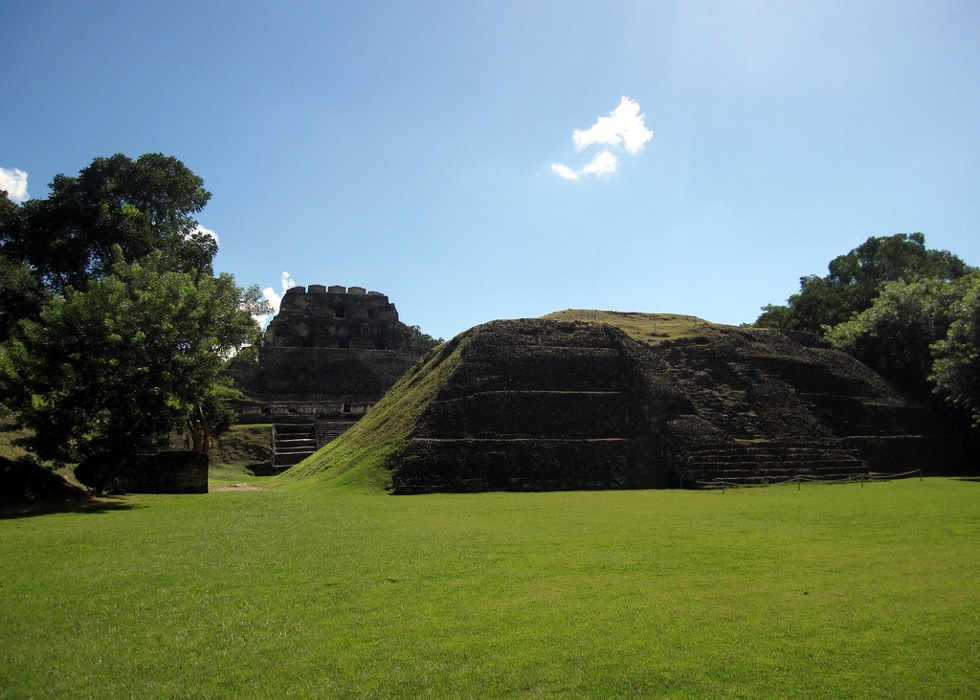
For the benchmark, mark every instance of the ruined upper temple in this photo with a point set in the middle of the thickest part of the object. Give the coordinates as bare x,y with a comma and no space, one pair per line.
329,354
338,317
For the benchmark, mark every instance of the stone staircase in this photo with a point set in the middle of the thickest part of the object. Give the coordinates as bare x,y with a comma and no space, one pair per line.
292,443
330,430
759,462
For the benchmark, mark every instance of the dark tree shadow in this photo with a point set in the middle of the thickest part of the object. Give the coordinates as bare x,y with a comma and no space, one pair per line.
28,489
86,504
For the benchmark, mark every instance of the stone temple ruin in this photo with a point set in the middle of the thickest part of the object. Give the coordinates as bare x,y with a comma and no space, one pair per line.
554,404
327,357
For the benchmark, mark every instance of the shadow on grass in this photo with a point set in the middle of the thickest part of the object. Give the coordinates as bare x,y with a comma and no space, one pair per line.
84,504
974,479
27,489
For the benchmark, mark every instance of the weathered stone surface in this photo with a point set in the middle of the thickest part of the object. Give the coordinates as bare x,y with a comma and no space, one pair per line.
538,405
329,354
548,404
337,318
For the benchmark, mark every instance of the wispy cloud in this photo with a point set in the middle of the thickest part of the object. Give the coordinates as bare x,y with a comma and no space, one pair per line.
275,299
564,171
623,129
15,183
604,162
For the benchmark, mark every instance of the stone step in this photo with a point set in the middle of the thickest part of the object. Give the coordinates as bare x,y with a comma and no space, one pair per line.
760,461
302,449
293,442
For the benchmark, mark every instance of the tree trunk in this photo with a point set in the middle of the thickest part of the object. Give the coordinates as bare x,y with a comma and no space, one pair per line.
200,431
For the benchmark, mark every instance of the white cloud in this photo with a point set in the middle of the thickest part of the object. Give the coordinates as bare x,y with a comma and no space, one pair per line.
15,183
624,125
564,171
274,299
623,129
603,164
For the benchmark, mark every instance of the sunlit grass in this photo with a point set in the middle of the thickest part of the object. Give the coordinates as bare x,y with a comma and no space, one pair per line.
829,591
360,456
644,327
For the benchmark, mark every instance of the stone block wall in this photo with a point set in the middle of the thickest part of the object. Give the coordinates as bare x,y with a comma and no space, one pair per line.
337,317
329,354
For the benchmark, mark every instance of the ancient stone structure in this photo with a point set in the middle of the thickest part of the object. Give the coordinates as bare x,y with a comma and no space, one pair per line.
328,355
339,318
540,404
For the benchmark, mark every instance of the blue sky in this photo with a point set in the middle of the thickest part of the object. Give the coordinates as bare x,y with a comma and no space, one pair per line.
419,148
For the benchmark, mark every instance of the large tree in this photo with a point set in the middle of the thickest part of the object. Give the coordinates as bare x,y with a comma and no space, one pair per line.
895,335
119,325
21,293
854,281
141,206
107,371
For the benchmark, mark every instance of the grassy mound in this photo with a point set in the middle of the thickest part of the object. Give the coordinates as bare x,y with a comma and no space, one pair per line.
359,457
645,328
245,450
631,395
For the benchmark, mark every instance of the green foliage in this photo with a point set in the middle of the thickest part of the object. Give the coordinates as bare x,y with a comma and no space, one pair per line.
110,370
239,454
956,371
826,592
890,303
21,295
424,340
142,206
774,316
123,325
11,437
894,335
854,281
921,337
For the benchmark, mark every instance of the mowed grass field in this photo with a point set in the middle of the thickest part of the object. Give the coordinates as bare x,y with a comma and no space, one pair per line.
826,591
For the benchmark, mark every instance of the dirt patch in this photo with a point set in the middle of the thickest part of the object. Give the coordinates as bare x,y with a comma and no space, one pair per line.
237,487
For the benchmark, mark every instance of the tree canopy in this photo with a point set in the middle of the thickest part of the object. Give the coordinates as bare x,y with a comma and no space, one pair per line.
855,279
910,313
895,335
111,369
142,206
118,326
956,370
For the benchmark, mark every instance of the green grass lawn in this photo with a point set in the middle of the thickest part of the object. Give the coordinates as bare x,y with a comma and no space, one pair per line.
827,591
